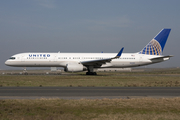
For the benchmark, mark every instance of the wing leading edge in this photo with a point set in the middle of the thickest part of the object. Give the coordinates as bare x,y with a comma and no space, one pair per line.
101,61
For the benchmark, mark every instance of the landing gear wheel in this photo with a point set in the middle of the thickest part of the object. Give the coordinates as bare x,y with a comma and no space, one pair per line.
91,73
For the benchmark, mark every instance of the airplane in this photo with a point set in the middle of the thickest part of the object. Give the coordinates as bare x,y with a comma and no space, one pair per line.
78,62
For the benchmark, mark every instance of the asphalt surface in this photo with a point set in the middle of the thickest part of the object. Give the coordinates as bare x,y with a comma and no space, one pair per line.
86,92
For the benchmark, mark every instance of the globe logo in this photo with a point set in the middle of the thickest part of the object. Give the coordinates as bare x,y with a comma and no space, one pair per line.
152,48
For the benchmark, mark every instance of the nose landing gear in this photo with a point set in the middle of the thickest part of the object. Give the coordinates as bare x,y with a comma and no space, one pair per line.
25,71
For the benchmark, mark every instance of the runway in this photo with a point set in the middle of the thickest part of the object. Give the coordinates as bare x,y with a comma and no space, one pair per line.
86,92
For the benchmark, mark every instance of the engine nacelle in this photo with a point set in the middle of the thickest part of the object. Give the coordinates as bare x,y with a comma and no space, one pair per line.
74,67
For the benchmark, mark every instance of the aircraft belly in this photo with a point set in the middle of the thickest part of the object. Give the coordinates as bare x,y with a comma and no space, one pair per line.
124,64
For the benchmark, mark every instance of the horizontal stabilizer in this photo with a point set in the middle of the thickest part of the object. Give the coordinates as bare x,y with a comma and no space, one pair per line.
161,57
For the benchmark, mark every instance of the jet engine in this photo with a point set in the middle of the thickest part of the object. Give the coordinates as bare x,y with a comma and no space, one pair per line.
74,67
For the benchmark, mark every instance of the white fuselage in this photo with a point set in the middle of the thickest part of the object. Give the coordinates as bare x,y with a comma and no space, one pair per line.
62,59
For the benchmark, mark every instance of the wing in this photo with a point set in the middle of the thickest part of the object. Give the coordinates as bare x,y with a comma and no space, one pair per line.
101,61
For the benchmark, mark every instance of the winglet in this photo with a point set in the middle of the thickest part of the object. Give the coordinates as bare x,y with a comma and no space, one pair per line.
120,52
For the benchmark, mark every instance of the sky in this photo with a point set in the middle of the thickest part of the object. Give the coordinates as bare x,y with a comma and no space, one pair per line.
90,26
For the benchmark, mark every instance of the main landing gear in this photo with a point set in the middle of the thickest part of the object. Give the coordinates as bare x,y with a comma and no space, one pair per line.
90,71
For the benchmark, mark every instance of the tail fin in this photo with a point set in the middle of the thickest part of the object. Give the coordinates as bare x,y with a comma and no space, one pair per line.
156,45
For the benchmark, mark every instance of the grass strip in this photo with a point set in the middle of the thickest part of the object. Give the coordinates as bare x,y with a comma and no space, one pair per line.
96,81
103,109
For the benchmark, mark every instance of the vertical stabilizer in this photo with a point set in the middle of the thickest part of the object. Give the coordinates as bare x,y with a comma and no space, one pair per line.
156,45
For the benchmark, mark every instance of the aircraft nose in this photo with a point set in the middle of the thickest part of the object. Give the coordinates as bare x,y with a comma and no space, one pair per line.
7,62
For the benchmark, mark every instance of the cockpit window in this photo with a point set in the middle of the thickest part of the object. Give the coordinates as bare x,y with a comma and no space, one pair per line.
12,58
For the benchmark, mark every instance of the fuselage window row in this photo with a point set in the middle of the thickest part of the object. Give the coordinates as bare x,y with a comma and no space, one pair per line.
73,58
91,58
